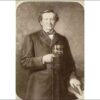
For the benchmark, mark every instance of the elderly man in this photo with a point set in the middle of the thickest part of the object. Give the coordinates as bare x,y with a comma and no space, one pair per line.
47,56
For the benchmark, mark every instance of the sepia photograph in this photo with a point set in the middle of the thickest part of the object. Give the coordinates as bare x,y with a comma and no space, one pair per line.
50,51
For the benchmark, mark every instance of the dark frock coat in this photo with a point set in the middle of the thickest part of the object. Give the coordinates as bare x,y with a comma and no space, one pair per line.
46,81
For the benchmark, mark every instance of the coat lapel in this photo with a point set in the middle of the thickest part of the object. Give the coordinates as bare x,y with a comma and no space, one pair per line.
55,39
45,38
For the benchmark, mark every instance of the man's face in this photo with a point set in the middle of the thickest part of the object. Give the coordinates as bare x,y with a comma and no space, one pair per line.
48,21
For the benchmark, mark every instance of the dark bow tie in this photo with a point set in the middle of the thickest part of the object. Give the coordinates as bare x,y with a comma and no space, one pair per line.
50,33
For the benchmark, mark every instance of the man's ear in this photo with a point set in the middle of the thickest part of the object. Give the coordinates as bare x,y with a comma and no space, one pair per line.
41,23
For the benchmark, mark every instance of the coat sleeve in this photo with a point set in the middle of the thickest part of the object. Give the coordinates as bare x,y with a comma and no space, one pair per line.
28,59
70,64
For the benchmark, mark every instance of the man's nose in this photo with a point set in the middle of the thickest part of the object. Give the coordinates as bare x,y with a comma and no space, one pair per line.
49,21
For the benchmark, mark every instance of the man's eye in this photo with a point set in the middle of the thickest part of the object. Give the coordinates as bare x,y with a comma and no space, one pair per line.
52,19
45,19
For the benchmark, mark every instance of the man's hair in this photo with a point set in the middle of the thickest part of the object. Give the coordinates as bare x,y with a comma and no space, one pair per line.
48,11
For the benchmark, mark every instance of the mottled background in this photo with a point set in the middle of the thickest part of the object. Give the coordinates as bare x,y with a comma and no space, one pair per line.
71,25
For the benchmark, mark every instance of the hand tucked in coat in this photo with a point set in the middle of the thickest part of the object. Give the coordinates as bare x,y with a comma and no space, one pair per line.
48,58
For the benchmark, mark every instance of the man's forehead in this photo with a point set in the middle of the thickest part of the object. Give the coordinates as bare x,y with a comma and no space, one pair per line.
48,14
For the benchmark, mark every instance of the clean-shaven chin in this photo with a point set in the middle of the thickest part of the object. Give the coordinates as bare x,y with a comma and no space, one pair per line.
48,29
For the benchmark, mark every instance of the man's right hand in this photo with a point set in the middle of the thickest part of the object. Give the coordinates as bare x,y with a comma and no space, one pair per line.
48,58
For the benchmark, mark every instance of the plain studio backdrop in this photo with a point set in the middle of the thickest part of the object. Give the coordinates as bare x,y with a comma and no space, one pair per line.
70,24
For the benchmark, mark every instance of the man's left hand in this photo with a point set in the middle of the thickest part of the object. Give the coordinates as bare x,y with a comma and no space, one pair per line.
74,82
